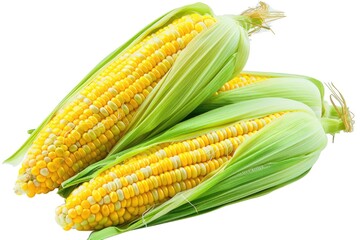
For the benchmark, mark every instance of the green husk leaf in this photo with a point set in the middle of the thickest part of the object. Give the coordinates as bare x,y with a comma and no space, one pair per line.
219,53
281,152
294,88
330,111
204,65
201,8
317,83
332,125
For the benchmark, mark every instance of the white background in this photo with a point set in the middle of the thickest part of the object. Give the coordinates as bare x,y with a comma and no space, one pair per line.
46,47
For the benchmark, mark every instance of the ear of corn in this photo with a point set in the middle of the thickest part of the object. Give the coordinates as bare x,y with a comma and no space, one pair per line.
136,39
144,87
253,85
255,146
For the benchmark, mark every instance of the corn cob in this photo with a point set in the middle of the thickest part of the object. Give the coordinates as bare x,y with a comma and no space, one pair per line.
244,149
86,129
116,105
124,192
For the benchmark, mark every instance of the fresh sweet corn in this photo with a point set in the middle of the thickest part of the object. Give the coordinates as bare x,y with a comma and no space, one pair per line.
86,128
144,87
244,150
125,191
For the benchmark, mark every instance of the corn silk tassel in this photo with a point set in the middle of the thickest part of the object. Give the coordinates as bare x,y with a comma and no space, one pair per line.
258,145
144,87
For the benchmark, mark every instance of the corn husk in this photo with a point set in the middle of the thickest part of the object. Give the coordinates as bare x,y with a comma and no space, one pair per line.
300,88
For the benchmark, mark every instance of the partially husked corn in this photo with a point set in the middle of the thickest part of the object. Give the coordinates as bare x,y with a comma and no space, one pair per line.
86,129
125,191
256,146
